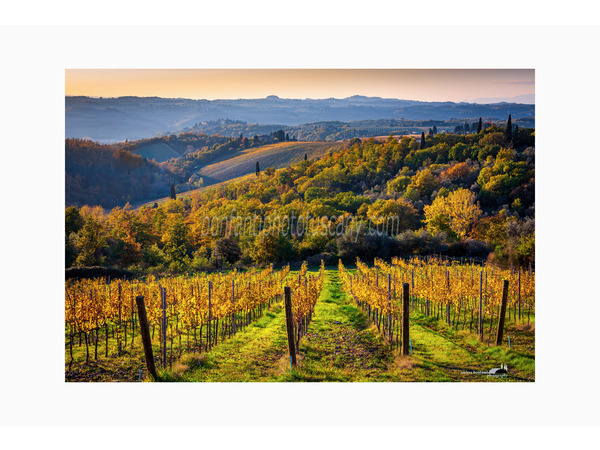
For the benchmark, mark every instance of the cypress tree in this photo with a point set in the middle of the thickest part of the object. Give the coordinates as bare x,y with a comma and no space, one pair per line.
173,195
434,130
422,140
479,126
305,156
509,130
257,169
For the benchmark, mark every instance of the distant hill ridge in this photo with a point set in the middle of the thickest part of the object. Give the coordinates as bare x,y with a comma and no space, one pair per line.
117,119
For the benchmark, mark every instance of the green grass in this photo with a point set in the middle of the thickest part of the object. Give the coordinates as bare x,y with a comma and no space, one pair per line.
339,346
258,353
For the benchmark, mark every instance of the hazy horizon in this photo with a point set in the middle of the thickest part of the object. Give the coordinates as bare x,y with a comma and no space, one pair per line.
490,100
426,85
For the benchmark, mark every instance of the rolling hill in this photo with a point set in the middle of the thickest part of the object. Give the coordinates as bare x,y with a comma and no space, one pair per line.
159,151
242,166
274,155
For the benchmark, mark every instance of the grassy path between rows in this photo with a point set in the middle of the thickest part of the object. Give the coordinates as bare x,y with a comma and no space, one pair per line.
342,345
258,353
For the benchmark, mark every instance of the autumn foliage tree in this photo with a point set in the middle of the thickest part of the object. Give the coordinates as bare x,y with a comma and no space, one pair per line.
90,242
393,216
175,241
422,184
457,172
270,245
226,249
453,214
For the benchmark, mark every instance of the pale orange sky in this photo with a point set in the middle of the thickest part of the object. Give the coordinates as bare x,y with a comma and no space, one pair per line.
414,84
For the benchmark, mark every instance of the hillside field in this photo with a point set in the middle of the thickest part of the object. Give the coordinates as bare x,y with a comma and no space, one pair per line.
275,155
160,151
228,169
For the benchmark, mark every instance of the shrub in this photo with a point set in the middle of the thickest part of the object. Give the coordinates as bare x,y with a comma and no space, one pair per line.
97,272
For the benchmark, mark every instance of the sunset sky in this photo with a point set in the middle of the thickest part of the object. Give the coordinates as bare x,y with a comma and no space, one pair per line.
413,84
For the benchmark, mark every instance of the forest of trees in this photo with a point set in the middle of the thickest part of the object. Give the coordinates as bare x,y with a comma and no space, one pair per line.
459,195
108,176
337,130
113,175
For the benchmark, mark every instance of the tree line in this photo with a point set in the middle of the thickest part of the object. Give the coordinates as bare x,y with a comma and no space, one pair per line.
454,194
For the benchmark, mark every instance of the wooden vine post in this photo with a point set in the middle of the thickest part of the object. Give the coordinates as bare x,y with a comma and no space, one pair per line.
405,313
119,329
145,331
449,298
209,337
289,322
502,313
389,317
163,295
480,324
233,303
519,294
132,319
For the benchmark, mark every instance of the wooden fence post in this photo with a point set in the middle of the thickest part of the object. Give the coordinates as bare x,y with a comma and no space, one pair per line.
405,313
289,322
502,313
145,330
